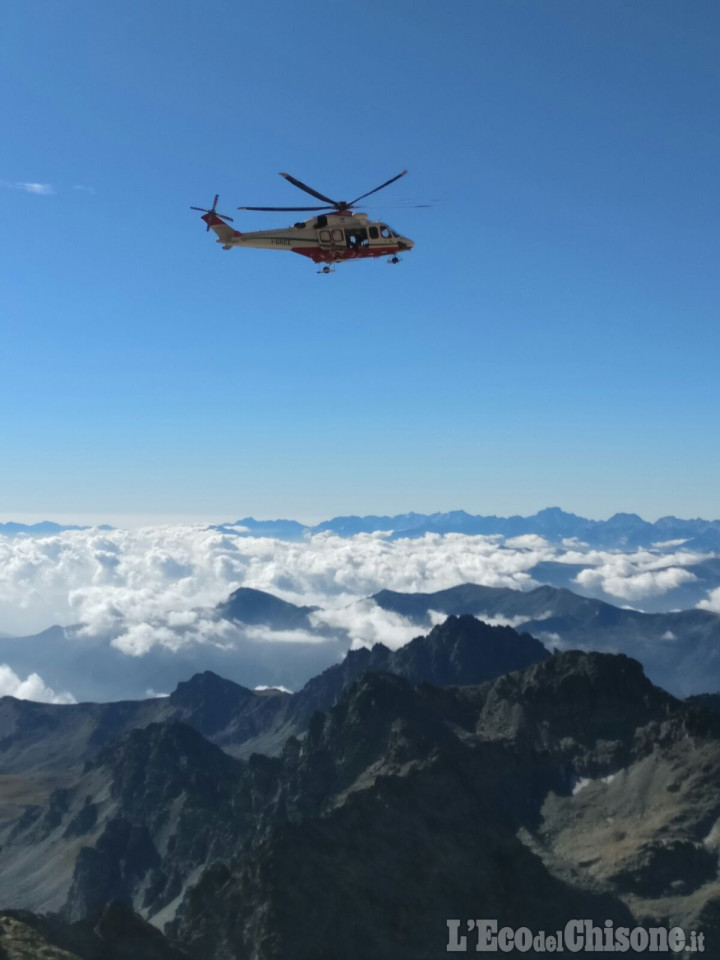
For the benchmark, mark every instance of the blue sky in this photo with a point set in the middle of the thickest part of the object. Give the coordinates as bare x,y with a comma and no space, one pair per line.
552,338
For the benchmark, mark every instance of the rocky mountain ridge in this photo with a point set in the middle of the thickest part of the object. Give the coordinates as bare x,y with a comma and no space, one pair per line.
52,738
572,787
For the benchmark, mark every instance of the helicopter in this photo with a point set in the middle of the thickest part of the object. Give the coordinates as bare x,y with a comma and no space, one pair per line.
337,233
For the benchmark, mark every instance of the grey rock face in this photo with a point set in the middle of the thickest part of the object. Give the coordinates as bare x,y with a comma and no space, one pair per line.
573,787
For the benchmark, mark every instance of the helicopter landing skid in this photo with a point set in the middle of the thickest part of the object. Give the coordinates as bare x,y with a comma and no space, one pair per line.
395,259
327,269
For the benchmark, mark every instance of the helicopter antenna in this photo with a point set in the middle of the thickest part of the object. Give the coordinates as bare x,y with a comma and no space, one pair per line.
213,211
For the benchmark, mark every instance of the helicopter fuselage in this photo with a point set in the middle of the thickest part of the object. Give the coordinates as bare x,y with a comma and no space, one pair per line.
328,238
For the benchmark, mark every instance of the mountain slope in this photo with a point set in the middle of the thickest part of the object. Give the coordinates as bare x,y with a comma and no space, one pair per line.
419,805
571,788
114,933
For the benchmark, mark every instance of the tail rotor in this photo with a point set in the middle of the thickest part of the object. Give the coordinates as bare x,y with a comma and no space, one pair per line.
213,211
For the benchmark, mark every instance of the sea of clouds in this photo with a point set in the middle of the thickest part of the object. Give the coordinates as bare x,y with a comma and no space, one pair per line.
158,586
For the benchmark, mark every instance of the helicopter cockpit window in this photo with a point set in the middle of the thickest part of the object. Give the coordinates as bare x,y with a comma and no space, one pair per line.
385,231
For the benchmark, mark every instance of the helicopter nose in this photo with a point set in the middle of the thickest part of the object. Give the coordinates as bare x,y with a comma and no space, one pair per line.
405,244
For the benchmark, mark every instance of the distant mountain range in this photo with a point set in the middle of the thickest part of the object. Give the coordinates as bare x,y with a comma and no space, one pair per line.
400,790
679,651
43,529
623,531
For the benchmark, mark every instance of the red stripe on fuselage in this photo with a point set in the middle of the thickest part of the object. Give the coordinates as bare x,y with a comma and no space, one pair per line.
324,255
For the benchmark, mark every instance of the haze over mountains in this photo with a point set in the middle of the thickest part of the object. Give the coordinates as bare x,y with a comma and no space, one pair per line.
621,531
386,800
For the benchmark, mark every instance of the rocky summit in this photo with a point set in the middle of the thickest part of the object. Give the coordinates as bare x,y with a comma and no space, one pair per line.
469,774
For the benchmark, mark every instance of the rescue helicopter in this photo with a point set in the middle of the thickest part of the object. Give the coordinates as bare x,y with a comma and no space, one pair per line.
335,234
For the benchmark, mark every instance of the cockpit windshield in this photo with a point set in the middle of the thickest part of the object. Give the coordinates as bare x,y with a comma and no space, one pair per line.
387,232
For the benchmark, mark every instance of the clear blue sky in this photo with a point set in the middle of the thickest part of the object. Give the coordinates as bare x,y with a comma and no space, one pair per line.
553,338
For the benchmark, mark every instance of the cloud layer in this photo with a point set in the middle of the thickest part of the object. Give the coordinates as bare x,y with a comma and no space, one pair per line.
158,585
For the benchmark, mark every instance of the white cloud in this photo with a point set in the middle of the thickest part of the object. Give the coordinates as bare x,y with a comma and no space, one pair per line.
367,624
500,620
553,641
262,687
157,586
527,541
262,634
40,189
31,688
634,577
712,603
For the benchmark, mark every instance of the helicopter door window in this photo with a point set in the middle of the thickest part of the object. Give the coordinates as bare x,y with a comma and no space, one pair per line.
324,236
337,236
357,238
374,233
385,231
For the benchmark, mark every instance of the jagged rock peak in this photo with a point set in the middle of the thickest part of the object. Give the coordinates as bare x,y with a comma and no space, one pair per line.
592,696
576,679
464,651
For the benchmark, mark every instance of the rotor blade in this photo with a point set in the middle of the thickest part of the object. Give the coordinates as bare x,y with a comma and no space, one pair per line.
307,189
386,184
297,209
221,215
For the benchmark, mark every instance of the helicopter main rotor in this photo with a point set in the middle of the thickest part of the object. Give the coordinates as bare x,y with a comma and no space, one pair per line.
340,206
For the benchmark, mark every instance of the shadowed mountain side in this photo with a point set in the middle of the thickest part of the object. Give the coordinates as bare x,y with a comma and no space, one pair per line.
710,701
258,607
419,805
412,804
115,933
679,651
41,737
